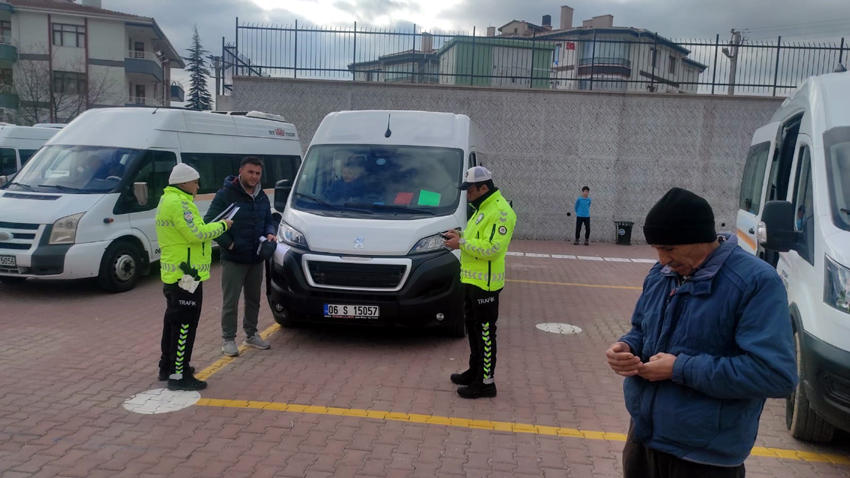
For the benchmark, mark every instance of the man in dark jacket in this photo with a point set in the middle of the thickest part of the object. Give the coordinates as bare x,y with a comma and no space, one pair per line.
242,268
711,339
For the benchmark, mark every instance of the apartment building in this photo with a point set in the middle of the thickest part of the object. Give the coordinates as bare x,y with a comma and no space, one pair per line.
59,58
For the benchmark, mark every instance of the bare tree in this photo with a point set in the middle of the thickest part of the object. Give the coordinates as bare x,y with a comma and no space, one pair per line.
62,95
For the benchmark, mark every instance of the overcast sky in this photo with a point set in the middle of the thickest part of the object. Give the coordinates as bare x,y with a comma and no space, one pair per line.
818,20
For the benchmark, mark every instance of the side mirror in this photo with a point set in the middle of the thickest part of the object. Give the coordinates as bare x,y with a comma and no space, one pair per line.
140,190
776,231
3,180
282,189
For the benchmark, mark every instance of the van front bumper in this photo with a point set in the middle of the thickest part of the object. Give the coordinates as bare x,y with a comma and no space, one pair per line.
827,384
56,261
432,295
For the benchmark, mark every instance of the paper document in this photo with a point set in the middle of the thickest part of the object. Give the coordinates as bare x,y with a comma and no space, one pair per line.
228,213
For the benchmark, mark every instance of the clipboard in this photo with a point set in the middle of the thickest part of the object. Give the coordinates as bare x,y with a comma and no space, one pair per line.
228,213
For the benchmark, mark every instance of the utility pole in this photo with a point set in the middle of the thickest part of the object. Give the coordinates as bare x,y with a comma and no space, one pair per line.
733,58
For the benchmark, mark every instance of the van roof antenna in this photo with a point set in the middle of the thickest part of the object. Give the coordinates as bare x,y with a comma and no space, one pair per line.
389,131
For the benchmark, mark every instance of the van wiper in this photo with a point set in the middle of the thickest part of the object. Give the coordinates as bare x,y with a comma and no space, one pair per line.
314,199
22,185
395,207
59,187
845,211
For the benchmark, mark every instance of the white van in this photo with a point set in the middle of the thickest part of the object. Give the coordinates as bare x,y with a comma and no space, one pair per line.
795,213
370,251
84,205
18,144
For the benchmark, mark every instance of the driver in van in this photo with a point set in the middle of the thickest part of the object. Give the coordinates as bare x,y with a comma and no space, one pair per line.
352,183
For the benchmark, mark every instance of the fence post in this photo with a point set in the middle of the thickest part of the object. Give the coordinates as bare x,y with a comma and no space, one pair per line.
295,63
472,65
716,51
237,41
354,53
413,55
533,41
776,70
841,52
654,58
593,61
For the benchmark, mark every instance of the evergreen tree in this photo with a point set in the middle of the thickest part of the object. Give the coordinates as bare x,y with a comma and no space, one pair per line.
199,95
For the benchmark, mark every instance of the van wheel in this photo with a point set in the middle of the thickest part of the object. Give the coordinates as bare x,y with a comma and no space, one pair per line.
120,268
803,422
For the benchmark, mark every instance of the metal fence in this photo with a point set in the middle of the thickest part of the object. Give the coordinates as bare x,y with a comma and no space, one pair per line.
611,59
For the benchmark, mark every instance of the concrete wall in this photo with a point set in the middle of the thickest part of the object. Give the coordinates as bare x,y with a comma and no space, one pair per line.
543,146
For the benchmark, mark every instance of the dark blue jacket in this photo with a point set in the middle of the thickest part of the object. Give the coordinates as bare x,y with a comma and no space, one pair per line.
253,220
730,328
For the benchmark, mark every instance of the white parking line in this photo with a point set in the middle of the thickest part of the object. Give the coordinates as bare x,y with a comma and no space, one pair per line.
590,258
582,258
559,256
529,254
617,259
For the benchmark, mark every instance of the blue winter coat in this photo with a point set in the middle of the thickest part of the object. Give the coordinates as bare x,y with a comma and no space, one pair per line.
730,328
253,221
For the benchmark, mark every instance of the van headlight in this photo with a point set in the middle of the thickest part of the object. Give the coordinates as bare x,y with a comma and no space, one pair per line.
65,229
291,236
836,290
429,244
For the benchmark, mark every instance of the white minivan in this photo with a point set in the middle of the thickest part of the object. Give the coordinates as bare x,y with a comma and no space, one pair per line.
18,144
84,205
795,213
361,230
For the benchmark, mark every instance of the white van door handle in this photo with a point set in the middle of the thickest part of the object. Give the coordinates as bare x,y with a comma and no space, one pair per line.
752,231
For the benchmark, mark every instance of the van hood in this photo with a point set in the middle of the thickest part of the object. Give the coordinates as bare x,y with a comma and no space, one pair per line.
37,208
365,236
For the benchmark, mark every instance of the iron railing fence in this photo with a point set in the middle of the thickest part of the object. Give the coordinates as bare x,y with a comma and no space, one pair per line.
579,59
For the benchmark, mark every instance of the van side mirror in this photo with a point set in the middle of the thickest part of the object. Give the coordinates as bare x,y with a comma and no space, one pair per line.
776,231
282,189
140,190
3,181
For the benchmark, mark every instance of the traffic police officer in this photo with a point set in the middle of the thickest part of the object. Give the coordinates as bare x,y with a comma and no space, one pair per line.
184,265
483,246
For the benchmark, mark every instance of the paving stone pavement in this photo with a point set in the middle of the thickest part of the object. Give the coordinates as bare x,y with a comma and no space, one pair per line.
338,401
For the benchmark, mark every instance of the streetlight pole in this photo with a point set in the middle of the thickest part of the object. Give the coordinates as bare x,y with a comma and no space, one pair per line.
733,57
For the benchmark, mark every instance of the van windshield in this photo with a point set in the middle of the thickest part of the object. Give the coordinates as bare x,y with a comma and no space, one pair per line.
394,182
837,147
75,169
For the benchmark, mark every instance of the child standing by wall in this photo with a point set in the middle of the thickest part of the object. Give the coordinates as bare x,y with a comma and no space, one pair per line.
582,209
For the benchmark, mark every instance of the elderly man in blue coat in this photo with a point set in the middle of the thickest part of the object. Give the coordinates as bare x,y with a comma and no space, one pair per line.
711,340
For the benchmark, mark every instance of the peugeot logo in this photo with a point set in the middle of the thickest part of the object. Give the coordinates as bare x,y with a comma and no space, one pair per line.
5,236
358,243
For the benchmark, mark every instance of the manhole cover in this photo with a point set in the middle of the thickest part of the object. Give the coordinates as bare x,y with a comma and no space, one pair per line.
556,328
161,400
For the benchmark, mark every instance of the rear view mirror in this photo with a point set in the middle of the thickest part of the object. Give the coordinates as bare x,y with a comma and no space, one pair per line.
140,190
776,232
282,189
3,180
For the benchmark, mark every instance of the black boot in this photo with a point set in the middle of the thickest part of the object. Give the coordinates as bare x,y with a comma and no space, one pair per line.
465,378
188,383
478,390
163,374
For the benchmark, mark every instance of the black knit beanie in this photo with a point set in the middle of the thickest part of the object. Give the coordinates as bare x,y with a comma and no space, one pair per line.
680,217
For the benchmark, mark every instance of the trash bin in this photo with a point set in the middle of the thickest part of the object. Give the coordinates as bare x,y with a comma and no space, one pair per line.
624,232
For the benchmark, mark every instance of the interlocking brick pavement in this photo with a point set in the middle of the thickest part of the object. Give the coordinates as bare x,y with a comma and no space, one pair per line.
72,355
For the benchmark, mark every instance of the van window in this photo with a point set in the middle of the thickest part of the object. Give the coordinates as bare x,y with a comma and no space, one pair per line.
753,179
837,148
783,159
215,168
804,220
8,161
76,169
25,155
153,169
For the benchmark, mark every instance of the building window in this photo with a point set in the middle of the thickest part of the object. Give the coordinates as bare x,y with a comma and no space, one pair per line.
672,65
69,82
5,31
69,35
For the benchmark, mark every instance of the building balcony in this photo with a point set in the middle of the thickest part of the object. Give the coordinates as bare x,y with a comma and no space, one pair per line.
143,63
177,93
605,66
8,97
8,52
143,101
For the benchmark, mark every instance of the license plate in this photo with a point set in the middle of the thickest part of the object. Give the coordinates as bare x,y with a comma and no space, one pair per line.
8,261
352,311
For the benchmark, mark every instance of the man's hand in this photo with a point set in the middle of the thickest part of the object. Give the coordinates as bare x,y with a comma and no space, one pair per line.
659,367
228,222
271,237
622,361
453,239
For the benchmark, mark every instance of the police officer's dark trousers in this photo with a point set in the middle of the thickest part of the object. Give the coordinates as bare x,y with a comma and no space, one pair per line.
182,312
481,309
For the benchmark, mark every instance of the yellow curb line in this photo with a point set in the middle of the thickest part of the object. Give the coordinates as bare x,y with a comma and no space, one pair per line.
219,364
493,425
575,284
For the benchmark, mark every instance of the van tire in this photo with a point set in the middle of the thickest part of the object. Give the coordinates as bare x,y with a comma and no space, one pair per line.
803,422
120,268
